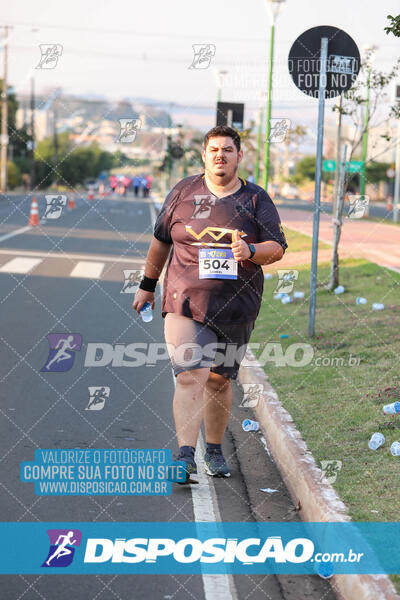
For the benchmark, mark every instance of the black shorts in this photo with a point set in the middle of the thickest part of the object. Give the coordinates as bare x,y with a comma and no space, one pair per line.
193,345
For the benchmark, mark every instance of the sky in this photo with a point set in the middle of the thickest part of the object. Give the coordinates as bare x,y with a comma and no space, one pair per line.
144,49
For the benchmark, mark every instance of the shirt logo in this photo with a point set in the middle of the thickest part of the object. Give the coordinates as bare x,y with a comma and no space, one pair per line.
215,232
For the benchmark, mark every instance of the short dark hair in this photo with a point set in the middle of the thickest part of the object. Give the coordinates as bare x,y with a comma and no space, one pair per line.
223,131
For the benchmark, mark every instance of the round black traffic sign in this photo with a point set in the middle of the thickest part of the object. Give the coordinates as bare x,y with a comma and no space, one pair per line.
342,66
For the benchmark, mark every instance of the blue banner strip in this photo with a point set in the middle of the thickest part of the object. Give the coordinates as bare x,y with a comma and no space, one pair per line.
157,548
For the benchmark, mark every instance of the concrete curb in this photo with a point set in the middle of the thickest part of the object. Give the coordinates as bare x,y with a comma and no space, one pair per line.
315,497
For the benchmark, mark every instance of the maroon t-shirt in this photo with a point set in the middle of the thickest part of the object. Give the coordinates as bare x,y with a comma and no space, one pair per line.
188,216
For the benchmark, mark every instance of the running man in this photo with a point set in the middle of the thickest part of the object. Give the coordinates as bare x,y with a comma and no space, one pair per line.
212,288
62,353
62,550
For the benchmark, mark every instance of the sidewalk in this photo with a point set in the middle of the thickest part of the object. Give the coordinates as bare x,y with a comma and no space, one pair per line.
376,242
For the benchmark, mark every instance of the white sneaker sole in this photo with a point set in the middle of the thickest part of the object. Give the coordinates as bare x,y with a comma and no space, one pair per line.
207,470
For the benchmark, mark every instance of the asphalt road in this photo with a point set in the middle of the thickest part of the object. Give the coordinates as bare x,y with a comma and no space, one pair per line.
69,281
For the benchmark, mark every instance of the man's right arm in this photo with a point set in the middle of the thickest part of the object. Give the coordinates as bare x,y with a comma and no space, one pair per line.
156,258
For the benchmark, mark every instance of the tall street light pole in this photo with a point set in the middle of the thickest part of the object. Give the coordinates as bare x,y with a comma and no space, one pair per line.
219,76
274,6
258,151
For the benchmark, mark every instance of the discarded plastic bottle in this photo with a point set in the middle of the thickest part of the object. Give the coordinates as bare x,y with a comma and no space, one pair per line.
377,440
395,449
286,299
284,336
279,295
146,312
298,294
361,300
392,409
378,306
339,289
249,425
267,276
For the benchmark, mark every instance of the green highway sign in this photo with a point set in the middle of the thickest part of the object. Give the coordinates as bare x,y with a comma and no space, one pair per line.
329,165
355,166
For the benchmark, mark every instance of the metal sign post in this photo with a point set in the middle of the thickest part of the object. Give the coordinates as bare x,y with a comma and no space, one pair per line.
318,173
323,62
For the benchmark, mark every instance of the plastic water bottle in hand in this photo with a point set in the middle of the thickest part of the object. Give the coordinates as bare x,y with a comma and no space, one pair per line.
146,312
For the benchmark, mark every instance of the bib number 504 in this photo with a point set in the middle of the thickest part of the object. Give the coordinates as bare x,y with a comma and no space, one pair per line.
215,263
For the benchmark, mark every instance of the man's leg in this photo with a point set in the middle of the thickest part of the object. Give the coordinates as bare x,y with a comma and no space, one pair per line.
189,405
218,402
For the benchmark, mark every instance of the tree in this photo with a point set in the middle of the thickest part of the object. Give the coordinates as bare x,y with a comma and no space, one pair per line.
305,168
354,107
394,26
75,163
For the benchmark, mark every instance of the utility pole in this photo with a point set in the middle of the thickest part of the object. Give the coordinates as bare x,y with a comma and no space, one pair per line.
365,135
4,115
32,173
274,6
258,150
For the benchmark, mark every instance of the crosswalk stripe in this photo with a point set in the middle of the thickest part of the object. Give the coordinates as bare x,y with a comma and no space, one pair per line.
20,264
87,269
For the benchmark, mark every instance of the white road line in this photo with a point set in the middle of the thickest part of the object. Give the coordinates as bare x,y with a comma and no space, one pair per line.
20,265
7,236
87,270
70,256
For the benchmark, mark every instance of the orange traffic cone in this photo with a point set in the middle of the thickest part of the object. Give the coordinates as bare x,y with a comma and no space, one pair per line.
90,195
34,214
71,203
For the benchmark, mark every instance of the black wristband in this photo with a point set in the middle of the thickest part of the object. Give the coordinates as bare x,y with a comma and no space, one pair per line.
148,284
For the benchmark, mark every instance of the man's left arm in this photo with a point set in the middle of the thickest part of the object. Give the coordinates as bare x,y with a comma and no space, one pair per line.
265,252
